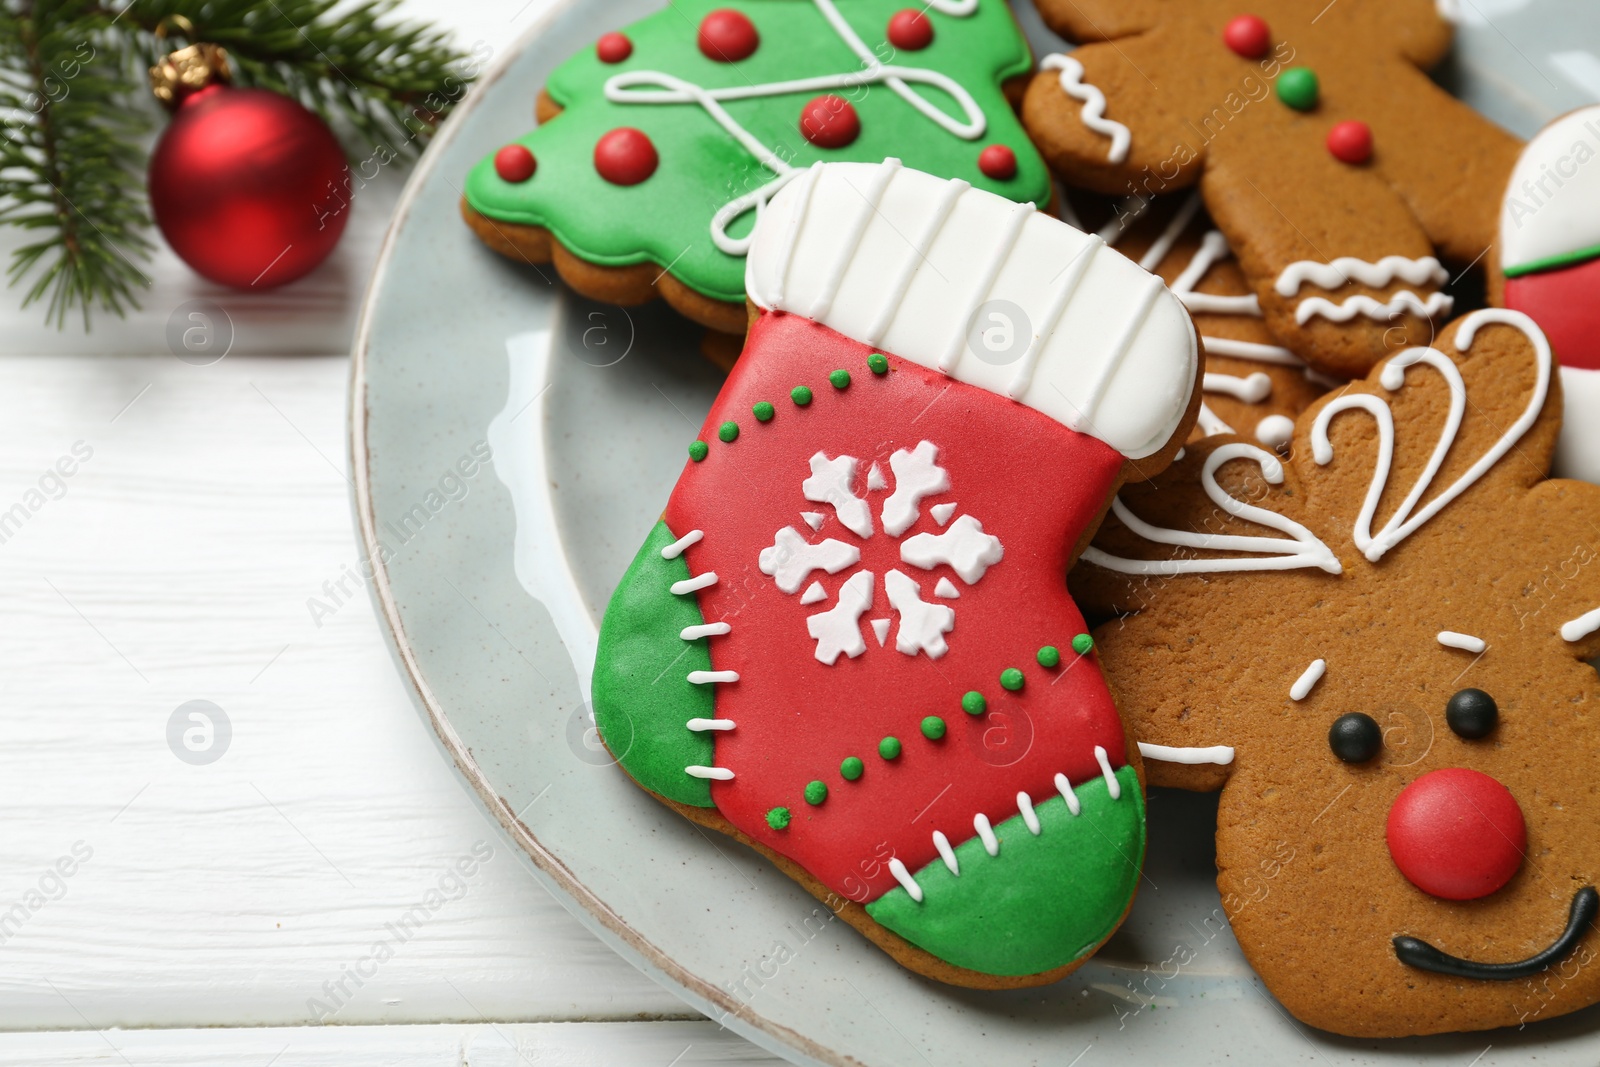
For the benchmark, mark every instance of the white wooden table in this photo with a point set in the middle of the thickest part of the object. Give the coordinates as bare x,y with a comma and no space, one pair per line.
227,913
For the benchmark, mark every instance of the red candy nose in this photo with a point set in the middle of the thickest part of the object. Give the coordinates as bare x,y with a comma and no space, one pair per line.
1457,834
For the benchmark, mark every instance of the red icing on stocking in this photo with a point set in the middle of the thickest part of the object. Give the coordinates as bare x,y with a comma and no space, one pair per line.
1562,302
1024,488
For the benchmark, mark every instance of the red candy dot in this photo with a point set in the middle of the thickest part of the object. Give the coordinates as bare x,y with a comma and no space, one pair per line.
911,30
613,48
998,162
1457,834
727,36
830,122
625,156
514,163
1248,36
1351,141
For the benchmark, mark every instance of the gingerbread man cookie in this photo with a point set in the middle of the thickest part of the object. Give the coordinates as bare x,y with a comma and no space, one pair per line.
1376,650
1340,174
660,146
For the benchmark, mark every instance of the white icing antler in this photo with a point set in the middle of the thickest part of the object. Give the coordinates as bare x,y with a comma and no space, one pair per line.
1404,522
1302,549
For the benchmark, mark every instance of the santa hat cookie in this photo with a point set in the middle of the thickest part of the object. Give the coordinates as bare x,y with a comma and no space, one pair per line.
849,641
1550,256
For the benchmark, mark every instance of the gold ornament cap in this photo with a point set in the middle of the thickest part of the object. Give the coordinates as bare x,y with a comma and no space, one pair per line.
187,71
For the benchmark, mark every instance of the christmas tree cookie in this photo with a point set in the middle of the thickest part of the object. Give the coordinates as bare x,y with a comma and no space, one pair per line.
659,146
1342,177
849,641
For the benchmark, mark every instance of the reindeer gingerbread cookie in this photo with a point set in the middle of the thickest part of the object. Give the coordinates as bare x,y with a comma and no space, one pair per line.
1340,175
1376,650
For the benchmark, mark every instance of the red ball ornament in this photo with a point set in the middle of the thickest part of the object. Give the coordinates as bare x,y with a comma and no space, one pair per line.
998,162
249,188
514,163
727,36
613,47
1350,142
625,156
1456,834
911,30
830,122
1248,36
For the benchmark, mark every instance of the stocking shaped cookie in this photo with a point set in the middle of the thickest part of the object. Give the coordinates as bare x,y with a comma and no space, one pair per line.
1336,169
1549,260
849,641
659,146
1376,651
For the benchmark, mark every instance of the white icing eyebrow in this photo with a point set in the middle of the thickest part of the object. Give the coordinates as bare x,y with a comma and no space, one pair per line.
1307,681
1582,626
1465,642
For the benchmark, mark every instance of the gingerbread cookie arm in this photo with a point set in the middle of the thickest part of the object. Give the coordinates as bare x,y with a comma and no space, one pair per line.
1340,297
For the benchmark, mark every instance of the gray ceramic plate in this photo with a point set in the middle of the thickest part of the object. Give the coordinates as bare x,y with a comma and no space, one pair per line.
492,585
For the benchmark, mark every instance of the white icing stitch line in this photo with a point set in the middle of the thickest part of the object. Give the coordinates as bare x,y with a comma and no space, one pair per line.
1094,104
1218,754
711,677
716,774
991,843
1465,642
1064,787
710,629
907,882
691,585
1112,785
702,725
946,853
1029,816
1582,626
1307,681
674,550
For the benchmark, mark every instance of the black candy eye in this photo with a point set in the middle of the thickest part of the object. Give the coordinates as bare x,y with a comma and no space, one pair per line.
1472,714
1355,737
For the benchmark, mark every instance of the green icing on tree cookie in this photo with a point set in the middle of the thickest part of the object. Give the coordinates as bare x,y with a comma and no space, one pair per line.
642,713
1044,901
667,218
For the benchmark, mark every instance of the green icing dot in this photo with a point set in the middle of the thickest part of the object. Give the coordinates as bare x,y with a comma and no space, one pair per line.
1298,88
1049,656
1082,644
878,362
933,727
728,432
851,768
816,792
698,451
778,818
801,394
973,703
889,748
763,411
840,378
1011,679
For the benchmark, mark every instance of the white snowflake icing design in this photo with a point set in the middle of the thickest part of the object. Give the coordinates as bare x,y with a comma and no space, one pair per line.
962,545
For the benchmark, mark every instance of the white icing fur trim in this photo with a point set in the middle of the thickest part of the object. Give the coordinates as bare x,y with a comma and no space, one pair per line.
659,87
1404,522
1113,786
1104,348
1308,680
903,876
1094,104
1348,269
1302,549
702,725
1465,642
1552,202
1218,754
1578,450
1402,301
674,550
716,774
1582,626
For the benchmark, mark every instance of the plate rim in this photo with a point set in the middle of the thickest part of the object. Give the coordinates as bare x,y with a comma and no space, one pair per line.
629,943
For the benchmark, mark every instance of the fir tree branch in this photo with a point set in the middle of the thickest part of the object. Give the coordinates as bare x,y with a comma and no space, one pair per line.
69,164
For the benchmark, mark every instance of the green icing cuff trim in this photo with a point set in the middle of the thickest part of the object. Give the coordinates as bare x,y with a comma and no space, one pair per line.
1566,259
642,720
1045,901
